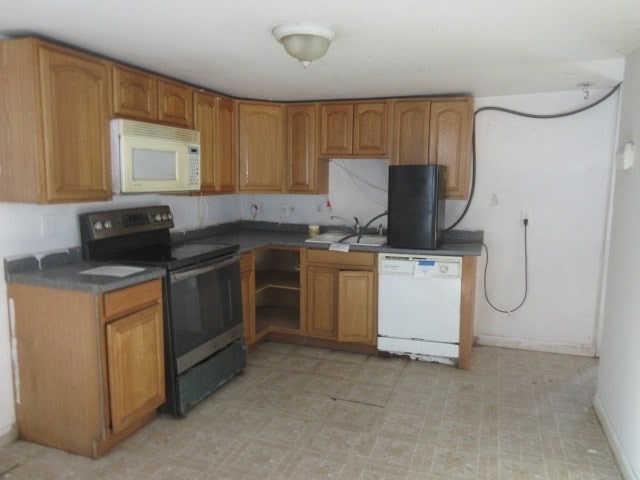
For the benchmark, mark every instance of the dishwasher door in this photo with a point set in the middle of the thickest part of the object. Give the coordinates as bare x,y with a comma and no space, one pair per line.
419,305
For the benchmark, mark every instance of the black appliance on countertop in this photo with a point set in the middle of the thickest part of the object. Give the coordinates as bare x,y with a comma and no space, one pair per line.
416,206
202,297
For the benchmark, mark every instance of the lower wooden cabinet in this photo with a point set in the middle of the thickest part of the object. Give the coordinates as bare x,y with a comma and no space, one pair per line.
90,367
341,292
135,361
322,301
247,282
356,306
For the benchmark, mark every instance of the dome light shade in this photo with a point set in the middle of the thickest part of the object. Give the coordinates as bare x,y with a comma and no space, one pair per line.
304,41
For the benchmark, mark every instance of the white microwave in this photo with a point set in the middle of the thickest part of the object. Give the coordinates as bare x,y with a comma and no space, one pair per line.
146,157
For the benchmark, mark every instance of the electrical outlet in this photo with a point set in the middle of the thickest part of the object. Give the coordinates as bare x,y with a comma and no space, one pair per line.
285,210
524,215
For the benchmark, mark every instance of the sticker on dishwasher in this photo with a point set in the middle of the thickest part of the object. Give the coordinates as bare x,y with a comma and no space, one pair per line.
424,268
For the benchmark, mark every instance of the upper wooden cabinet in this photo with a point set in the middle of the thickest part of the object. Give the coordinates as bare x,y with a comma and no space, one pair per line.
55,126
143,96
450,125
175,103
214,117
354,129
336,129
411,132
370,129
135,93
261,146
436,131
305,173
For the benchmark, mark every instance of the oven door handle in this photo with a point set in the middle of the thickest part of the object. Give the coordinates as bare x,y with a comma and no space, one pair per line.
180,276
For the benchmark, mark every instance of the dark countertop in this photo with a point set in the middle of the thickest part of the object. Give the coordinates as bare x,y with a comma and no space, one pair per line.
251,235
62,270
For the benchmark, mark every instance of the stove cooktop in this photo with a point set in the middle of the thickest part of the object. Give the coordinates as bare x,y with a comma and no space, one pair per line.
174,257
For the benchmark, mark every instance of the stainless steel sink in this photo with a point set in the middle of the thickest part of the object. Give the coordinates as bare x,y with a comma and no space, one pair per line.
365,240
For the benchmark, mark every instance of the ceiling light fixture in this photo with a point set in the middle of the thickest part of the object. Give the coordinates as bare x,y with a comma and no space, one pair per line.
304,41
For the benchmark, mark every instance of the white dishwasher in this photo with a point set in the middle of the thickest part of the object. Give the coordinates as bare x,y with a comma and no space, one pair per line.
419,306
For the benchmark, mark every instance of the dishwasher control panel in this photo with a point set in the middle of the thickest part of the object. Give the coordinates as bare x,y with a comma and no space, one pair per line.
419,266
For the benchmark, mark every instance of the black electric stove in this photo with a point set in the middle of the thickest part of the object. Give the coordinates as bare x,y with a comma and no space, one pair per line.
202,297
141,236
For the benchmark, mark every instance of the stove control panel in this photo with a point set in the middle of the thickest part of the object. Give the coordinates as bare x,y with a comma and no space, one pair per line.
114,223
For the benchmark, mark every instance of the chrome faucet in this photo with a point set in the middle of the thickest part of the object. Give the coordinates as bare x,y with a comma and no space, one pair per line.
353,226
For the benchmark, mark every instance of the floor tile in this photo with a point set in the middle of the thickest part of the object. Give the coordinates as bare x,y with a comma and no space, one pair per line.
301,412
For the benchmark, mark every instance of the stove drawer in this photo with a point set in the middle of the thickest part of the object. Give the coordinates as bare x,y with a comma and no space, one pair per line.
129,299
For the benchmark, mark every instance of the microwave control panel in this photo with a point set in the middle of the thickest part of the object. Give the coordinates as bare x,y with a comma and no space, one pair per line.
193,176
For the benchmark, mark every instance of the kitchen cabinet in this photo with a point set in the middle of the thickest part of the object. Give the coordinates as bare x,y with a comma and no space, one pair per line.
135,93
306,173
411,132
90,367
247,281
341,298
143,96
277,291
261,147
450,125
354,129
436,131
214,117
55,126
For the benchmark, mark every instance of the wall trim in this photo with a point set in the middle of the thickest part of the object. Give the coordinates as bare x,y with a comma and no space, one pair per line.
536,346
618,451
10,436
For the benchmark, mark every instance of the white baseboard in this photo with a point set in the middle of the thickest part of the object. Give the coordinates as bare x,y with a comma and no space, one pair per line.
505,342
621,457
10,436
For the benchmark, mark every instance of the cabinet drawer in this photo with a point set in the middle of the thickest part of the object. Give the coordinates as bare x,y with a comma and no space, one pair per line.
355,259
129,299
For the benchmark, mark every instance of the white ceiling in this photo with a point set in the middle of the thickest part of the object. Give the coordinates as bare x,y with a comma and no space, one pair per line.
382,47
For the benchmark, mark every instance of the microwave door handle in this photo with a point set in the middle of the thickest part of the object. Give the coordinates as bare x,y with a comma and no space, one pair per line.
178,277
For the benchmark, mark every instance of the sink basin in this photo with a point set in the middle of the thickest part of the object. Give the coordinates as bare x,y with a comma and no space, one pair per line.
365,240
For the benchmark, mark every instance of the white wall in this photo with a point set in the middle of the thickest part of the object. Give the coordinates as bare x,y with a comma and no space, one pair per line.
357,188
617,399
558,172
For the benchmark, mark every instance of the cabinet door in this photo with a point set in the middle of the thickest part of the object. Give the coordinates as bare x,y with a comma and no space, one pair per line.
135,93
204,120
336,122
175,103
301,124
213,118
261,147
411,133
370,129
356,307
225,142
247,280
75,116
135,361
322,297
450,143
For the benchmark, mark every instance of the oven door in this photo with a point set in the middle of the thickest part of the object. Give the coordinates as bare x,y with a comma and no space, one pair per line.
205,310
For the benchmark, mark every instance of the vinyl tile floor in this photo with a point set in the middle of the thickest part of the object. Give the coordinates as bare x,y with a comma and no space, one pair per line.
308,413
